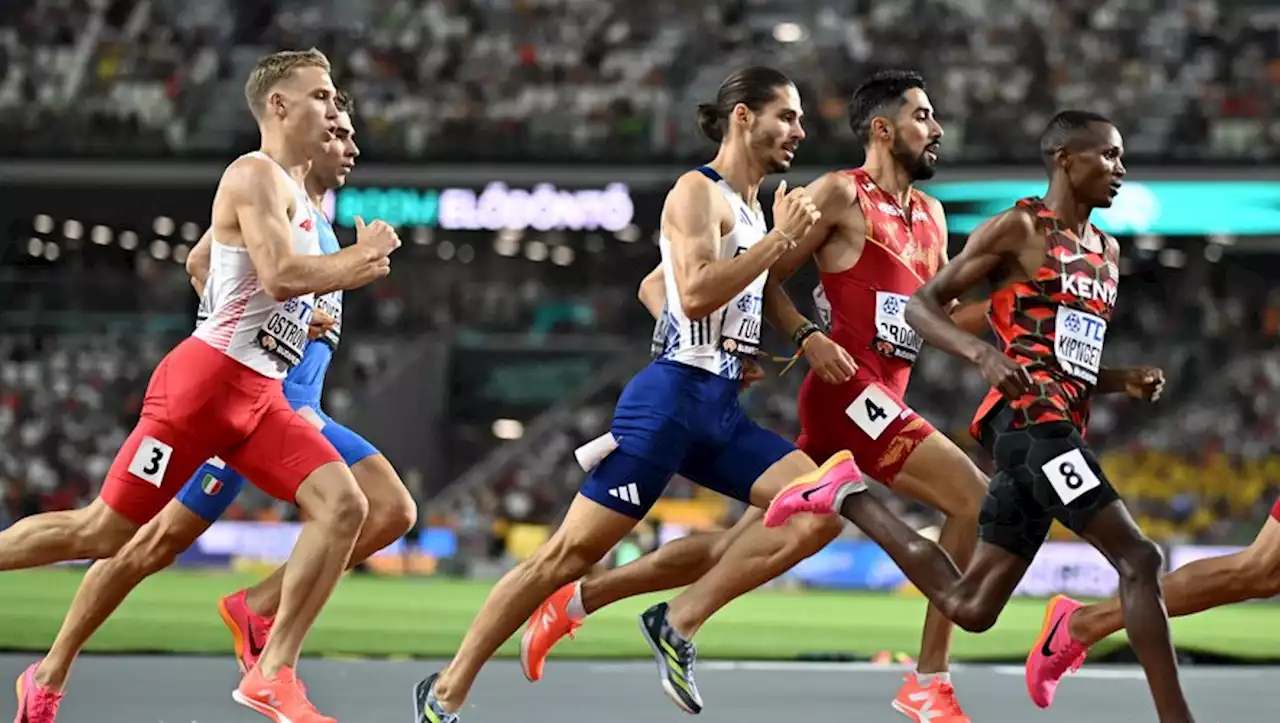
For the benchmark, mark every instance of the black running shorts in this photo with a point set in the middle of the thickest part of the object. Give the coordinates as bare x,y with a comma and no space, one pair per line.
1044,472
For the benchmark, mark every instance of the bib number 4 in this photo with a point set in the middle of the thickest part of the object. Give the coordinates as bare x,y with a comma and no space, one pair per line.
873,411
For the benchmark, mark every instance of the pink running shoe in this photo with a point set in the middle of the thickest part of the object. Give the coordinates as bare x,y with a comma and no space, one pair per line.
36,703
1055,653
249,631
820,492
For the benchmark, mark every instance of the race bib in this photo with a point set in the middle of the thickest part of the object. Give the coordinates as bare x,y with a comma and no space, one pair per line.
285,332
823,306
331,304
1078,343
894,337
740,329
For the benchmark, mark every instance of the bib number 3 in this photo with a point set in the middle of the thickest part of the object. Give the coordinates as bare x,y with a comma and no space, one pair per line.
873,411
150,461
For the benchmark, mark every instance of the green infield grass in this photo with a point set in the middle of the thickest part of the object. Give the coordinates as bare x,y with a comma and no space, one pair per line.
370,616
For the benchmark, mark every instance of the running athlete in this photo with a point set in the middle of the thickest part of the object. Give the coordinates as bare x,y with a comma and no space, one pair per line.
878,240
212,490
1251,574
680,413
1055,277
219,392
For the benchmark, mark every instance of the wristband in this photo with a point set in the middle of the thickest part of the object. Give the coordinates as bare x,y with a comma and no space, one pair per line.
806,330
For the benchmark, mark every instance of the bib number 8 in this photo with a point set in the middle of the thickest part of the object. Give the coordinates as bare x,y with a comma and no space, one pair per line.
1070,476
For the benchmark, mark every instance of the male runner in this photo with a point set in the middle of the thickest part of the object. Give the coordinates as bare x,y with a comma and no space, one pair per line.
1055,277
878,240
219,392
1250,574
680,413
211,490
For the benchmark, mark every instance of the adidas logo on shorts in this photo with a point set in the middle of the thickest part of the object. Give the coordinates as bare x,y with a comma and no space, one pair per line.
627,493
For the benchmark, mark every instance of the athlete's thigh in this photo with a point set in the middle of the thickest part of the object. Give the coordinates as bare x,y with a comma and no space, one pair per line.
865,417
1262,557
648,441
939,474
1011,518
351,446
281,452
749,463
589,531
211,490
155,461
176,528
1069,484
630,483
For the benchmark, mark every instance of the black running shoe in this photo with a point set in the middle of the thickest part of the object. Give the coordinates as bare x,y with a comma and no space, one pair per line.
426,709
675,657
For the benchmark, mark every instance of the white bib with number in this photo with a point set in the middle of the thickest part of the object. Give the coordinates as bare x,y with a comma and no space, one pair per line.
285,332
740,330
331,304
1078,341
892,326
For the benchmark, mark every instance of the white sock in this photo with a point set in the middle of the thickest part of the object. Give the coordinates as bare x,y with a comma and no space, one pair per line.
575,608
924,680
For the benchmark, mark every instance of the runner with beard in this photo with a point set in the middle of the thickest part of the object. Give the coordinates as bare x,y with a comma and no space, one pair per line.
680,414
1055,278
879,239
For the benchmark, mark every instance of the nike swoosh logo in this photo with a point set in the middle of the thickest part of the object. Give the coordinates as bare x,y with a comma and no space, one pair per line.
1045,649
805,495
254,648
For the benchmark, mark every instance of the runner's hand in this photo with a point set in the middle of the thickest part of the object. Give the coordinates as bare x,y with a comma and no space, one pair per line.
794,213
379,236
1144,383
751,373
828,359
1004,374
321,323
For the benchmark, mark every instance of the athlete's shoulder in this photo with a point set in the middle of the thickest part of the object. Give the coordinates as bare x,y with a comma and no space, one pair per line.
695,192
252,174
1005,231
694,182
842,185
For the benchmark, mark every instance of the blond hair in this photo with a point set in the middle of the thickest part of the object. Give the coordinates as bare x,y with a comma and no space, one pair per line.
273,69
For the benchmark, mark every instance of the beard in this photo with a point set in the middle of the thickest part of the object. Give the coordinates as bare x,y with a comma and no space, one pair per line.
916,164
766,149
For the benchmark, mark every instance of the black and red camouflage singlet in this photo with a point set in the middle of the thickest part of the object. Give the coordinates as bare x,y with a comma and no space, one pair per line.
1056,323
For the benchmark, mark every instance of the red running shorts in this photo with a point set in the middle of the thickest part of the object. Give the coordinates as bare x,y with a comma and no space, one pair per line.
199,404
864,416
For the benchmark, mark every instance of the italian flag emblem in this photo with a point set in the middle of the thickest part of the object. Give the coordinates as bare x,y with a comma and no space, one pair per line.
211,485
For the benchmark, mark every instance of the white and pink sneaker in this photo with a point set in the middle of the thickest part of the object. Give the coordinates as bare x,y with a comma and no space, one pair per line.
820,492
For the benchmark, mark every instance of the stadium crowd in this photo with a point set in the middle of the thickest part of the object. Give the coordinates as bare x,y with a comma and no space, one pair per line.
615,80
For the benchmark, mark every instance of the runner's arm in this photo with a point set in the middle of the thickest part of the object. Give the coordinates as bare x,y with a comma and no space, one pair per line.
987,248
653,292
971,317
833,195
260,203
692,224
198,261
